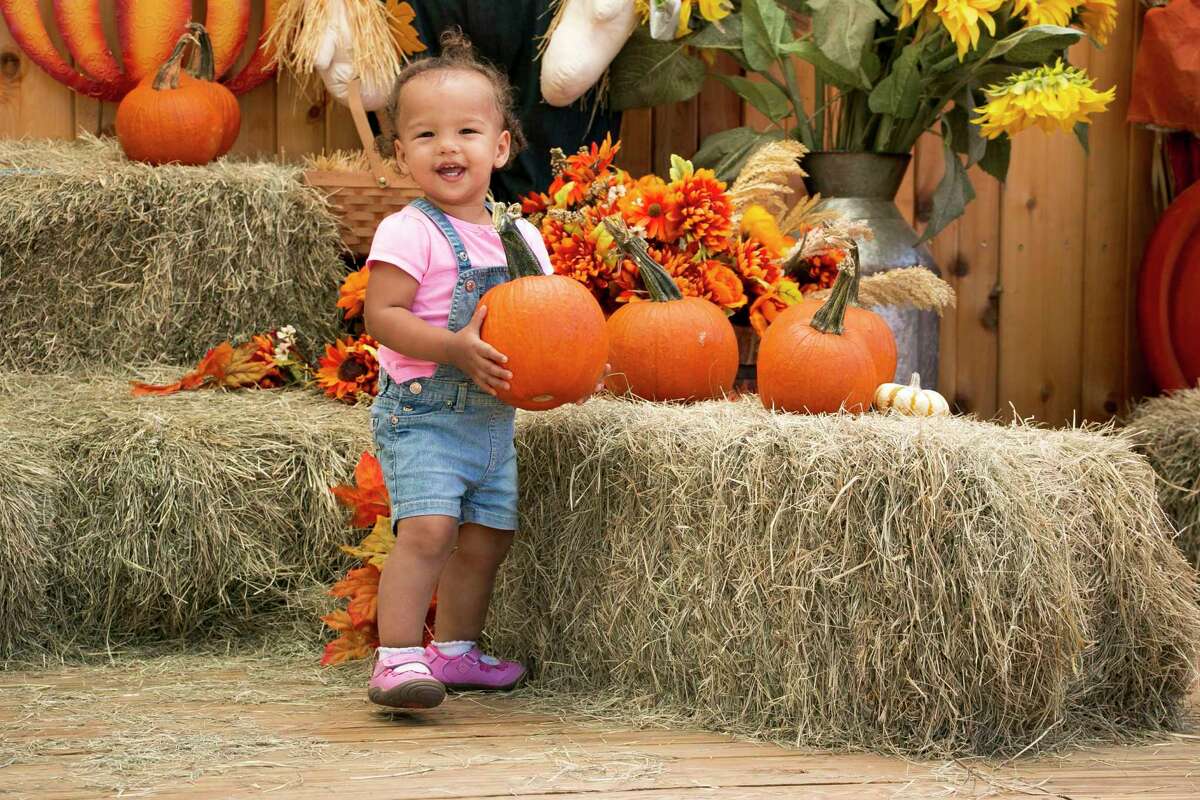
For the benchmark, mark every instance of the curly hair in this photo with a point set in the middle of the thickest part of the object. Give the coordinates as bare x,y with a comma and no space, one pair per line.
458,54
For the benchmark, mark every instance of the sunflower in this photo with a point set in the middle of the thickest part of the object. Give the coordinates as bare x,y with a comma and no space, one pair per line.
1099,19
711,10
1046,12
349,368
353,292
1051,97
653,208
960,18
705,208
723,286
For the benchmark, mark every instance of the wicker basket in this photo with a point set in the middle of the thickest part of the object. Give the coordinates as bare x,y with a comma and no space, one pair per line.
362,199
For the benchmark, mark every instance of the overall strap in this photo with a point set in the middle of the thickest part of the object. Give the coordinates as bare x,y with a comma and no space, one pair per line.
435,214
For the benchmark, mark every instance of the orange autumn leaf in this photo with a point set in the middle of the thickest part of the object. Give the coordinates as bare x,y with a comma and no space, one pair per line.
400,18
375,548
223,366
362,587
368,497
354,644
353,293
338,620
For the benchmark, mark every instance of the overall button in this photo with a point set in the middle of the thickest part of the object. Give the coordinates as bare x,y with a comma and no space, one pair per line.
395,420
415,388
469,286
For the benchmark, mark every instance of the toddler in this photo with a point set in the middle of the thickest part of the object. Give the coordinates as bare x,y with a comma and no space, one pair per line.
444,440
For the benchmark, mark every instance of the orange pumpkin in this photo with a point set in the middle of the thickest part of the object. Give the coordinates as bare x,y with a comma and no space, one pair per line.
170,117
673,347
815,363
224,99
549,326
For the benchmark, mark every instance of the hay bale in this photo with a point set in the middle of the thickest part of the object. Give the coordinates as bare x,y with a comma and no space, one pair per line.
1168,432
166,517
107,261
932,586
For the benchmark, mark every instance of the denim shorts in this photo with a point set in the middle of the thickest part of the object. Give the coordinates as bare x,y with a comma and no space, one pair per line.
446,448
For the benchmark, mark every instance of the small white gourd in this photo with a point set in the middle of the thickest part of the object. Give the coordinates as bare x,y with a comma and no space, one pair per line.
911,400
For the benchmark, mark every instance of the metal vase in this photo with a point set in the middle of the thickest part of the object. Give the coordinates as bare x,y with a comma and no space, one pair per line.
863,186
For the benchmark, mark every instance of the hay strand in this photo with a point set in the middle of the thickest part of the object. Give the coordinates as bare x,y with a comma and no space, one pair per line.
917,287
112,262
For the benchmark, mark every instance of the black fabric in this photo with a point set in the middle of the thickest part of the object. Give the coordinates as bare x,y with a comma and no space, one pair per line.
507,33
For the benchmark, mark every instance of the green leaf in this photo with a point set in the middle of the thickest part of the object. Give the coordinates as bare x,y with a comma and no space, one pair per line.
728,36
1081,133
727,151
766,97
651,73
842,28
765,30
831,71
951,196
1036,45
964,135
995,160
899,93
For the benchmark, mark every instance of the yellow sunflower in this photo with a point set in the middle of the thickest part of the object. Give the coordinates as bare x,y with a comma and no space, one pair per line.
960,18
1046,12
349,368
1052,97
1099,19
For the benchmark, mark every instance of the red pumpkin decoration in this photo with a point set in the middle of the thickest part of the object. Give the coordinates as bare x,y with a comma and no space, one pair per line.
224,99
549,326
818,362
673,347
172,117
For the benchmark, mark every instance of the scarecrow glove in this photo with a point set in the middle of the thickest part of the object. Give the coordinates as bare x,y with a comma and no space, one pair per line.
335,60
589,35
664,19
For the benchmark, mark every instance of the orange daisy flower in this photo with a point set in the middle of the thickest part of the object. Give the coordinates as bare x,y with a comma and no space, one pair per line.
589,162
535,203
706,210
348,368
353,293
652,207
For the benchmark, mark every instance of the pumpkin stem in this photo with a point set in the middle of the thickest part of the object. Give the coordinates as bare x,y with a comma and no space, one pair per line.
831,317
206,70
660,286
915,381
522,263
167,76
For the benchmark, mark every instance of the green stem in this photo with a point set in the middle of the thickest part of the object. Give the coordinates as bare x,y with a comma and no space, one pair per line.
167,76
522,263
206,70
831,317
659,285
793,93
819,113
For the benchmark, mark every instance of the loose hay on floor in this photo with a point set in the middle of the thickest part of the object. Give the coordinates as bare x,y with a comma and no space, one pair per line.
107,261
1168,432
884,582
150,518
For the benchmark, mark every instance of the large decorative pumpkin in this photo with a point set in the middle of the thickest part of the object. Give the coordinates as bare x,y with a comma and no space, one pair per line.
549,326
672,347
171,117
818,362
225,100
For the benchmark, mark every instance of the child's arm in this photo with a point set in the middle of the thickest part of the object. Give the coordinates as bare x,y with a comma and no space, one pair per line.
390,293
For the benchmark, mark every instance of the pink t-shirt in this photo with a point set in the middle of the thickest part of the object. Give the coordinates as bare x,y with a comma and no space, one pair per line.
411,241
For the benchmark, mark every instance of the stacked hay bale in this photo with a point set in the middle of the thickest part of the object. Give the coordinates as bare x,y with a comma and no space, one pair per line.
924,586
126,519
108,261
1168,432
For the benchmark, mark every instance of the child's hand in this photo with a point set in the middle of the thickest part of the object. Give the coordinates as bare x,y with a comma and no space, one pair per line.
599,386
477,358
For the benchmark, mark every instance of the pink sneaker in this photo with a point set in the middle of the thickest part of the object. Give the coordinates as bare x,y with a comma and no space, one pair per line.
405,681
472,671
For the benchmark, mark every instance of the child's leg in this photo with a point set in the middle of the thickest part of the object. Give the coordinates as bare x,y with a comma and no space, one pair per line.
465,588
423,545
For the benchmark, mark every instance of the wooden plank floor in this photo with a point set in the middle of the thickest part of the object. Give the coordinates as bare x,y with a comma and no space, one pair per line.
194,727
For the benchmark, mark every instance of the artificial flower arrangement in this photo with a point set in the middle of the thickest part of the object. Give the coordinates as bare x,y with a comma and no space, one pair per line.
977,71
724,244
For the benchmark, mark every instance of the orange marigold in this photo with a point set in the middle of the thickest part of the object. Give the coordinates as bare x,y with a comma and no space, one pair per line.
535,203
654,208
589,162
706,210
723,286
348,368
353,293
756,264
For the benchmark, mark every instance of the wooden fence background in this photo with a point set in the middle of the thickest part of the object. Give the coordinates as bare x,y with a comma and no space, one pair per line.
1044,265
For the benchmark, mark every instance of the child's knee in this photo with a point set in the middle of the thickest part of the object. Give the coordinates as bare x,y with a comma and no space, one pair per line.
484,551
428,538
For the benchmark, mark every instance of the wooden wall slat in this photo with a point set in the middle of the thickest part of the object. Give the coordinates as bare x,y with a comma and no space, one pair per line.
637,141
299,117
676,132
973,322
32,104
944,247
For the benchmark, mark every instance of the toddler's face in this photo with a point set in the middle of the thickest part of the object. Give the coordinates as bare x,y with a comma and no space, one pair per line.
451,136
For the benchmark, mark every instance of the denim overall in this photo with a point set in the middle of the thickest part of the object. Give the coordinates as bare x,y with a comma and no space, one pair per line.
445,445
